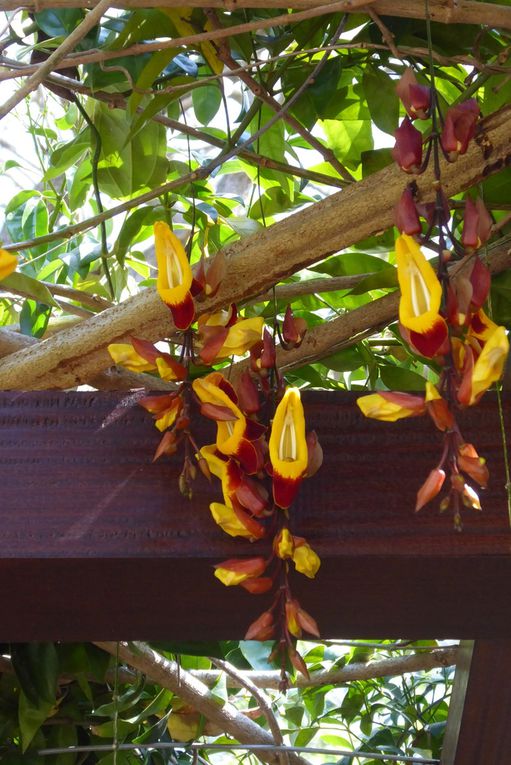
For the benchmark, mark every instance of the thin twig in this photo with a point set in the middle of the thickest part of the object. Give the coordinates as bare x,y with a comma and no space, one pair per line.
259,92
260,697
90,21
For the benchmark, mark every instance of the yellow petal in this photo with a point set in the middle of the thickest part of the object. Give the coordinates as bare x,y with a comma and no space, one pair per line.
431,392
227,519
8,263
229,433
288,447
125,355
379,407
284,546
421,292
306,561
490,364
174,272
241,337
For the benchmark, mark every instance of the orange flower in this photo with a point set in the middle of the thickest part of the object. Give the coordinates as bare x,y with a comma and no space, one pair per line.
490,364
174,275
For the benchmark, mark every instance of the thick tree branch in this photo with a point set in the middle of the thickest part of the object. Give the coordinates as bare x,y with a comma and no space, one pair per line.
443,11
255,263
168,674
269,679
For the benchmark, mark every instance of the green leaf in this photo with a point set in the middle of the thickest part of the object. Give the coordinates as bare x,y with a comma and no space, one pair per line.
380,91
34,318
399,378
384,279
58,23
350,264
206,103
128,167
155,66
29,287
31,716
36,667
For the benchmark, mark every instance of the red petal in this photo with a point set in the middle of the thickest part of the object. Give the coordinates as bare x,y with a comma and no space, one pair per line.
258,586
145,349
480,279
215,338
285,490
217,413
248,457
184,313
430,343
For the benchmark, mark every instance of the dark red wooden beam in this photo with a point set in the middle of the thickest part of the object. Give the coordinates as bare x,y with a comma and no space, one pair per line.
97,543
478,729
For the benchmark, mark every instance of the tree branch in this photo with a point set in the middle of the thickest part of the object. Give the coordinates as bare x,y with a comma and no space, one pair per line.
95,56
90,21
168,674
257,262
442,11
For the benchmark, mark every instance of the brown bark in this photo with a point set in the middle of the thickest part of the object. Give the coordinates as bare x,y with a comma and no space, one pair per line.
256,263
443,11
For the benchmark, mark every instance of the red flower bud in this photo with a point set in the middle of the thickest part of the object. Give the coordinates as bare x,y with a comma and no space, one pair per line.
315,454
415,98
262,628
480,279
430,488
477,224
408,149
406,216
248,395
459,128
293,330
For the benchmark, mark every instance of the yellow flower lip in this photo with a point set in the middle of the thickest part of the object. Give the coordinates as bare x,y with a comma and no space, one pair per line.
421,292
174,275
288,447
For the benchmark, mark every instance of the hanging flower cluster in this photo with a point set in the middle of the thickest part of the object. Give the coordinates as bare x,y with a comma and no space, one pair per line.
441,314
261,452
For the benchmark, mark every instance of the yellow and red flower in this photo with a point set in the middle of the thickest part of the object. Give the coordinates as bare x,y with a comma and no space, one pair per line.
489,365
421,296
236,435
164,409
236,522
234,571
390,406
174,275
8,264
223,335
288,448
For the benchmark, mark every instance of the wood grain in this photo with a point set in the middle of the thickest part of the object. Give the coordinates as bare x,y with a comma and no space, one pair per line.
97,543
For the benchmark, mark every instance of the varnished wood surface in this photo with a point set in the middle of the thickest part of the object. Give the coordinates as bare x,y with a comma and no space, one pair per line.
478,727
97,543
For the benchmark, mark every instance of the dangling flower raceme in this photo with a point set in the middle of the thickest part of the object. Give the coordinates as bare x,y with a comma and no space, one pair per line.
390,406
288,448
236,435
8,264
421,296
174,275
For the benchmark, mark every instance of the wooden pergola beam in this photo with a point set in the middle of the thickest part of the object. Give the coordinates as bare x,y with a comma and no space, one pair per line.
97,543
443,11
